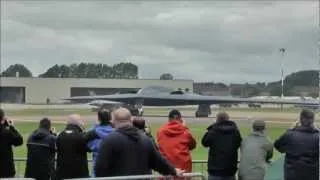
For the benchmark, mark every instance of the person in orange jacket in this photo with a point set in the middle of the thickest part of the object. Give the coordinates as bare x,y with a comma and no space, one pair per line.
175,142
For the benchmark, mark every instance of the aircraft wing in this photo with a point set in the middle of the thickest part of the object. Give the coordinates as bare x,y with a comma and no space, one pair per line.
191,99
99,102
186,99
119,98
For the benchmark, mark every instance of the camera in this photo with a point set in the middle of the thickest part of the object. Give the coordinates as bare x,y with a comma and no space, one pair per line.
5,123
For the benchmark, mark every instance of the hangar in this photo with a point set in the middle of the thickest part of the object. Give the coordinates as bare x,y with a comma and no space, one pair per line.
51,90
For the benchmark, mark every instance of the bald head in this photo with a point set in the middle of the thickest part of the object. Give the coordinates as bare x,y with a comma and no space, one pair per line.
75,119
121,116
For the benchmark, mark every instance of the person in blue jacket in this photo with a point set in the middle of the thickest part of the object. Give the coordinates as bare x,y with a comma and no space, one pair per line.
98,133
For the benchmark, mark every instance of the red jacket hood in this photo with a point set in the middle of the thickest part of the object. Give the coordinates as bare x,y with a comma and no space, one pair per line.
174,128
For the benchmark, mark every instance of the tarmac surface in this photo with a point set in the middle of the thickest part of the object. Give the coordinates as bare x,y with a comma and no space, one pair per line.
276,117
156,119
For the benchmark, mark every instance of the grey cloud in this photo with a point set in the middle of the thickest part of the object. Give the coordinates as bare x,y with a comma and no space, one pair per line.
219,41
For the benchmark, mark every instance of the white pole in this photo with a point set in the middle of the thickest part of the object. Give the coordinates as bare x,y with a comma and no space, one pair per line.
319,50
282,50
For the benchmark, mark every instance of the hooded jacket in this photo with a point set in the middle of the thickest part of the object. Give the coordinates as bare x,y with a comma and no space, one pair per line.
256,151
128,151
9,137
72,154
175,143
223,139
94,138
301,148
41,153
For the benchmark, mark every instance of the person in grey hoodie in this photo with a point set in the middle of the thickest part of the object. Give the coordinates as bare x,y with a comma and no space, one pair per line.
95,136
256,151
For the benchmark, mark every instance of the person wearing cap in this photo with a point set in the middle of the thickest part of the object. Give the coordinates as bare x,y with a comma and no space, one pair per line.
301,148
72,150
256,151
175,141
223,139
41,151
9,137
128,151
98,133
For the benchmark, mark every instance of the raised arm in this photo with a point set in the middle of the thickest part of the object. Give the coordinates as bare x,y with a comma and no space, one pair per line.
269,150
208,139
192,141
281,144
15,137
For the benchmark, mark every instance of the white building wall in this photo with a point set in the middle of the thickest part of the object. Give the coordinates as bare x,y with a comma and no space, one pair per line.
39,89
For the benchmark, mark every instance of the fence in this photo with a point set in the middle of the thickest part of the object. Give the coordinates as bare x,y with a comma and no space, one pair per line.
197,166
186,176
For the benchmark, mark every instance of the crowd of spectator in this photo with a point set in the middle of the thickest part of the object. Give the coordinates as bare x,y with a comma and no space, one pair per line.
122,145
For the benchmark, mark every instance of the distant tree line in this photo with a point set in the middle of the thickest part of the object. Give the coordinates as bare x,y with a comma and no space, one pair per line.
16,70
123,70
82,70
309,80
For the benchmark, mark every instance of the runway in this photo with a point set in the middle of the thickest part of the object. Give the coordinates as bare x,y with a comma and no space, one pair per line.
151,119
151,115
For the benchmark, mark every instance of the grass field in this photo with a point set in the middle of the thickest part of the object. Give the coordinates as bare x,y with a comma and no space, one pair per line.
200,153
197,128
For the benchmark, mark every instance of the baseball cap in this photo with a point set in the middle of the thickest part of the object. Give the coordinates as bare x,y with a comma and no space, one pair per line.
259,125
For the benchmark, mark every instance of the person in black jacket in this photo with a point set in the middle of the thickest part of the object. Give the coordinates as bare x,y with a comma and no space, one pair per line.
140,123
128,151
41,152
301,148
9,137
72,150
223,139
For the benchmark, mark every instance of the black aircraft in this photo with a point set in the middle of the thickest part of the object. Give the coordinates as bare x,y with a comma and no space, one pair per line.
163,96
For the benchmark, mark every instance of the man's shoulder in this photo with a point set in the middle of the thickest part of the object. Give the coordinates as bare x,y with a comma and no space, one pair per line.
114,135
91,134
73,133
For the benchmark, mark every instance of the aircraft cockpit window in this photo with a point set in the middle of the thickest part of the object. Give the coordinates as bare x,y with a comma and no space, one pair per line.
155,89
177,92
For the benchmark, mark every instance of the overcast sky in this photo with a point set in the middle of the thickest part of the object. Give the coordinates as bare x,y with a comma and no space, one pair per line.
205,41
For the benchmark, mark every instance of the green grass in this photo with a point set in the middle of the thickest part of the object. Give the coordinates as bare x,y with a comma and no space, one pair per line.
197,129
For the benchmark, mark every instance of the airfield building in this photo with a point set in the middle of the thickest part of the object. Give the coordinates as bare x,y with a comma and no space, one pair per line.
52,90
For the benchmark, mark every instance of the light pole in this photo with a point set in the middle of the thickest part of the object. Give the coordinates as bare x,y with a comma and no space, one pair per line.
282,51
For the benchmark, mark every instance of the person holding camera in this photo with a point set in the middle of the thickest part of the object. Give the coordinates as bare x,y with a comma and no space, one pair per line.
41,146
9,137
